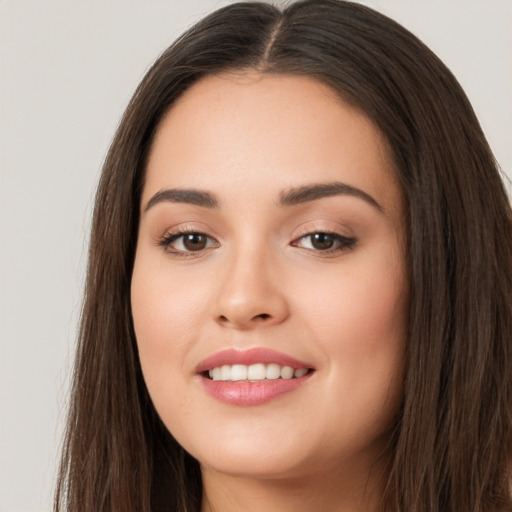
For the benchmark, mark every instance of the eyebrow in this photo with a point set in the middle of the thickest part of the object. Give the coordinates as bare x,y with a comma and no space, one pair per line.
307,193
291,197
188,196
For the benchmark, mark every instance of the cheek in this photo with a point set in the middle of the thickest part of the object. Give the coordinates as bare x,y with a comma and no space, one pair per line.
359,320
166,308
162,323
160,319
363,308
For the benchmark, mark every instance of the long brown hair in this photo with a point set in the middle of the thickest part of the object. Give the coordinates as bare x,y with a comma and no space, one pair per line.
453,438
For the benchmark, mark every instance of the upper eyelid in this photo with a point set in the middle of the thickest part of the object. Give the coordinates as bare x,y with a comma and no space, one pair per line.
313,227
187,228
307,232
175,235
307,228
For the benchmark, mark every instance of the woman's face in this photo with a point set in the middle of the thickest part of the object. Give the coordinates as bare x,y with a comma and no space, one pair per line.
269,290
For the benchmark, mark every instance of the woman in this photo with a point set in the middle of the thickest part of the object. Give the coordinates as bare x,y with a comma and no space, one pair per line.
299,289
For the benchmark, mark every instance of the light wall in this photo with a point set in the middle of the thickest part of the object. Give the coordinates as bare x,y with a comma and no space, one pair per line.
67,70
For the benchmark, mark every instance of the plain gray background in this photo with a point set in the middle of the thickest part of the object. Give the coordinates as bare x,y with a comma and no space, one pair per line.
67,70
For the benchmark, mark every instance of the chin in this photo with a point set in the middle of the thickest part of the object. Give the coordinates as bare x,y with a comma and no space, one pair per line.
257,456
257,465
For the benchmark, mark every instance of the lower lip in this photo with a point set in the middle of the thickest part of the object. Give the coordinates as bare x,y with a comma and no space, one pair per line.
244,393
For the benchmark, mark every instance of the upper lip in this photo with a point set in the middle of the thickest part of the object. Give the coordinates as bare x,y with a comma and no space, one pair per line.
248,357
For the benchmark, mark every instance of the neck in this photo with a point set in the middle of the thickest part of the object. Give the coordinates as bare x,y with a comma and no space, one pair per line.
329,491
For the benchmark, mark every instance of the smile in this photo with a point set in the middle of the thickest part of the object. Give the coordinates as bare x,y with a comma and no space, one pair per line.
251,377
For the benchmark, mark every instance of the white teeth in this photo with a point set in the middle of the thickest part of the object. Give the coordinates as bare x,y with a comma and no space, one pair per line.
286,372
273,371
225,372
255,372
239,372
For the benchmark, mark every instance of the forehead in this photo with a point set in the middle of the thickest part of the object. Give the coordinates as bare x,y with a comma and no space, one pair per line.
247,128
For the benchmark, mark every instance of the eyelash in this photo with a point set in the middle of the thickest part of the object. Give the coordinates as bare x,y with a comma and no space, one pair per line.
168,239
343,243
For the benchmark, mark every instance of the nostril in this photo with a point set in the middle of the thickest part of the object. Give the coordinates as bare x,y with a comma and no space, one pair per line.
263,316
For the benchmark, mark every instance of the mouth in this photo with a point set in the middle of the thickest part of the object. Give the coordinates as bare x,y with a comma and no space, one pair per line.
252,377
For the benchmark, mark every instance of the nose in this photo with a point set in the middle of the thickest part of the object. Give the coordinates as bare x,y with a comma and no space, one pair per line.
251,294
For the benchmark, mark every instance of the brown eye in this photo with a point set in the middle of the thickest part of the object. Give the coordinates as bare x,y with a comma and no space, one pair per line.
325,242
322,241
195,241
187,243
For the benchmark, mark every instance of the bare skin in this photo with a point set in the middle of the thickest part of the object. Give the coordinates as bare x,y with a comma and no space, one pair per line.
288,237
332,492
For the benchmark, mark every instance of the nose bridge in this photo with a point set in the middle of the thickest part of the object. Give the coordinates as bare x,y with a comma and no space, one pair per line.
250,294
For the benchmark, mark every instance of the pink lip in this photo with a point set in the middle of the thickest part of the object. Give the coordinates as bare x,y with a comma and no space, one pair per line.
243,393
